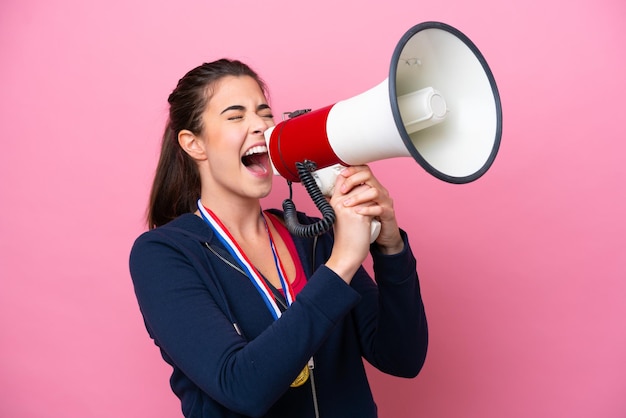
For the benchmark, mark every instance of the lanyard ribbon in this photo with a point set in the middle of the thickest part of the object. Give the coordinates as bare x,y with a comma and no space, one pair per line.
253,274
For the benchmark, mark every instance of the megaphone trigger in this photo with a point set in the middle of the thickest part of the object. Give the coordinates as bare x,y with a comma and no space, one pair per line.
325,178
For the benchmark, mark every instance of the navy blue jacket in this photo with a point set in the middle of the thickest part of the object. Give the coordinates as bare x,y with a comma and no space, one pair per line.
230,358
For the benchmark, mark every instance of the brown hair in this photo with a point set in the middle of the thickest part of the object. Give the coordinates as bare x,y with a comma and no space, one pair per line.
176,185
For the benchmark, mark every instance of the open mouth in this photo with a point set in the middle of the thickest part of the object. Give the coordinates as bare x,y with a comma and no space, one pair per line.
256,159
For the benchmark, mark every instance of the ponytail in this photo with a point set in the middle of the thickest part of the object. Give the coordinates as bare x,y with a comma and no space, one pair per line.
176,186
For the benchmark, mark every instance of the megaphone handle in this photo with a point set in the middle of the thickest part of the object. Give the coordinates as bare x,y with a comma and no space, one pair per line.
325,178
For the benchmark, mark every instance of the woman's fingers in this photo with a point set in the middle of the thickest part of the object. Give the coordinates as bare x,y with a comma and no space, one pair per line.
361,191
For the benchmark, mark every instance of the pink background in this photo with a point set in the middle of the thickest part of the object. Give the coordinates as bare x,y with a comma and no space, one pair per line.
523,272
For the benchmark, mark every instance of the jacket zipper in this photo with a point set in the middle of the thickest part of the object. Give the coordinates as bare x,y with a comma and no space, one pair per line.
311,361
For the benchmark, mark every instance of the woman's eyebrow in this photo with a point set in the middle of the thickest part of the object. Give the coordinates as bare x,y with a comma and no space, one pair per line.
240,108
233,107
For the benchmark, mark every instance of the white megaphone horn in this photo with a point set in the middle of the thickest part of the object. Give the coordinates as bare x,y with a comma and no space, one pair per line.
439,105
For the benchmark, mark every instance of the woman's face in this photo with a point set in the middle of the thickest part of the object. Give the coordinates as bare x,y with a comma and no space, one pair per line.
234,120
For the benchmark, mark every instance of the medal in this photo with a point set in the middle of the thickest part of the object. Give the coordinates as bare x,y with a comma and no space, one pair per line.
302,377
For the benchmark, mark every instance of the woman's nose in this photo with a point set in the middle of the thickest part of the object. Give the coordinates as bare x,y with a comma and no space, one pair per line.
259,125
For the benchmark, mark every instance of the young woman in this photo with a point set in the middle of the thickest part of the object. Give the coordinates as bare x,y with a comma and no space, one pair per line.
254,321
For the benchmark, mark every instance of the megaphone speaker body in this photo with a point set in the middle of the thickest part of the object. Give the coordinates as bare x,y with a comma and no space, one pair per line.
439,105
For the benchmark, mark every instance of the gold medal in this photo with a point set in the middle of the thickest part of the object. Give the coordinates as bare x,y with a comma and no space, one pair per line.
302,377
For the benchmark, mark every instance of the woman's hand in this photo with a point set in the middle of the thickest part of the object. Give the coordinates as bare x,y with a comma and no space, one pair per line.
359,198
376,202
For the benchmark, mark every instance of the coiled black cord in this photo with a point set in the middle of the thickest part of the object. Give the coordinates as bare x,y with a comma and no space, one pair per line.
289,208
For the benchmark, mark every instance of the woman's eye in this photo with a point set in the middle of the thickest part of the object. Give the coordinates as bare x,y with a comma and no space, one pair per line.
236,117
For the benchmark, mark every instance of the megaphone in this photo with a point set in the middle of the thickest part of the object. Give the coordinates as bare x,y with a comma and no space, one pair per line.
439,105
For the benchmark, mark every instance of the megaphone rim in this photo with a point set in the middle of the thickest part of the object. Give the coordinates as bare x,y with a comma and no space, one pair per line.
396,110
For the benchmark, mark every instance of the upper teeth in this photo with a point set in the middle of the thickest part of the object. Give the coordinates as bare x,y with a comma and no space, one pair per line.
256,150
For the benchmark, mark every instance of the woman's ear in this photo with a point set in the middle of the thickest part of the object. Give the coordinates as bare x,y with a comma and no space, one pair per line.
192,145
